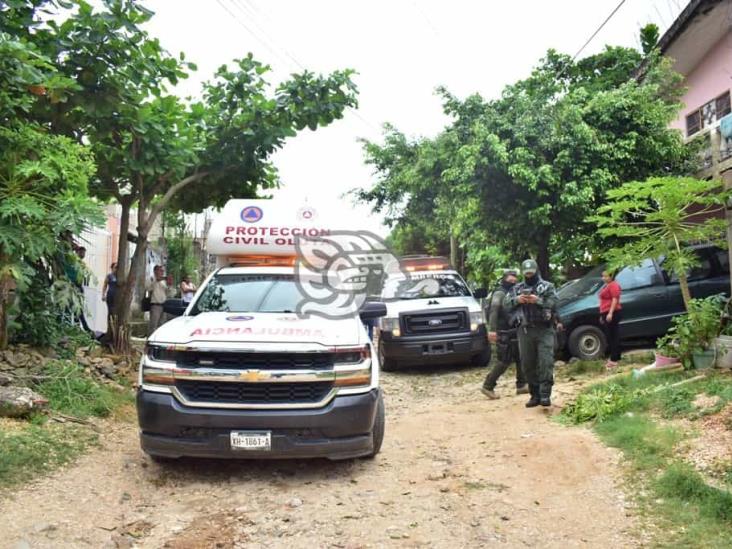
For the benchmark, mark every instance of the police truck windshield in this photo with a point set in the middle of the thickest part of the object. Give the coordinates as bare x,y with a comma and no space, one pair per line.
249,293
426,286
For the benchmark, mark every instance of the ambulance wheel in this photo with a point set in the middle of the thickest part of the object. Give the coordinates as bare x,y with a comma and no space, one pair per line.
377,433
387,364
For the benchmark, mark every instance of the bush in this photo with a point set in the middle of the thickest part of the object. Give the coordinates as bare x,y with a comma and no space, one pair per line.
71,392
600,403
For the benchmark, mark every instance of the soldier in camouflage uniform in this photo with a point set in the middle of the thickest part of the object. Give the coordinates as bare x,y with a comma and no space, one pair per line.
535,300
503,334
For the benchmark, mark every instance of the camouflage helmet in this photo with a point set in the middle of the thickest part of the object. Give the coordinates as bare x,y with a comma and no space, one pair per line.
529,266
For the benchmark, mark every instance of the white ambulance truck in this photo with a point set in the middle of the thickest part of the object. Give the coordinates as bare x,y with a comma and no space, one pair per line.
238,374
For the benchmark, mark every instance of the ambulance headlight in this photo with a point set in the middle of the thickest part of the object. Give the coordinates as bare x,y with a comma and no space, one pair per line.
352,367
391,325
476,319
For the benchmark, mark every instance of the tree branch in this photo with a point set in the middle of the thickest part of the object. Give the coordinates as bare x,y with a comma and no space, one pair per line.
168,196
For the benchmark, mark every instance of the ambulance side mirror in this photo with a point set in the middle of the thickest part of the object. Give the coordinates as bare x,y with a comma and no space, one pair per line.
480,293
371,310
175,307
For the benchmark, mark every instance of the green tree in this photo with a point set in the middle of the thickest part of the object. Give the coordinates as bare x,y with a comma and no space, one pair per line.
182,259
528,168
43,183
153,150
661,217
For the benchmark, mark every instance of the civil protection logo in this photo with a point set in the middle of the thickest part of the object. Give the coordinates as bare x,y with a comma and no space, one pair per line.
251,214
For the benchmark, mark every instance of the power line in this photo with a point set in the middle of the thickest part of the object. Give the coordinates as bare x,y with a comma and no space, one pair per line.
605,22
271,48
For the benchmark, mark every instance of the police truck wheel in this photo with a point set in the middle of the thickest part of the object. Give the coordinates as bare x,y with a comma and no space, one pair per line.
587,342
484,358
386,363
379,427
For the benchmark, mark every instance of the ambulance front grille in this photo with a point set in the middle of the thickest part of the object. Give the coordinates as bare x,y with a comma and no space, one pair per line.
253,393
258,361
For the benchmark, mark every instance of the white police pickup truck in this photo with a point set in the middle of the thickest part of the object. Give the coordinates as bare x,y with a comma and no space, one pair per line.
432,317
239,374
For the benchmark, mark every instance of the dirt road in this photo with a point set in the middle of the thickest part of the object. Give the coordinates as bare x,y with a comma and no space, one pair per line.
456,470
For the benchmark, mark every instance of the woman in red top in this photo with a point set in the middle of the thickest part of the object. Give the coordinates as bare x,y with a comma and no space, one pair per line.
610,316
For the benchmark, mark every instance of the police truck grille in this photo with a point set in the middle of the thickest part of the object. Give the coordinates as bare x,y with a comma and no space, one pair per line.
253,393
258,361
436,322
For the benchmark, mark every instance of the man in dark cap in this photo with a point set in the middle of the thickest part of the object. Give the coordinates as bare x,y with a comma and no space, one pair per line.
503,334
534,302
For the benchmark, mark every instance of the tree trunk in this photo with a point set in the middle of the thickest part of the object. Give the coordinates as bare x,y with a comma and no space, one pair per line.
453,251
5,283
542,255
126,292
123,245
685,293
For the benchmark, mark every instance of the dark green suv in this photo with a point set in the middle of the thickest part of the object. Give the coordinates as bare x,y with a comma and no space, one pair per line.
651,297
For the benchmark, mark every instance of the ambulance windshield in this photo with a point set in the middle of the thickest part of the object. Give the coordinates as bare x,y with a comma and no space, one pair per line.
249,293
425,286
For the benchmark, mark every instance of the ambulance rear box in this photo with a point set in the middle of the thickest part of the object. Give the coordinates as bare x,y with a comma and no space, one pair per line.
240,373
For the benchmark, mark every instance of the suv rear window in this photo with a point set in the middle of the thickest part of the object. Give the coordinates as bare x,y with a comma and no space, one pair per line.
641,276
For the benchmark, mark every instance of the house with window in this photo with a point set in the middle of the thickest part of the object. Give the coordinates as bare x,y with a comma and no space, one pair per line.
699,43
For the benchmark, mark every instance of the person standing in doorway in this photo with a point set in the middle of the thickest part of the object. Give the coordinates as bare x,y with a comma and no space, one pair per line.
610,317
504,335
187,289
158,290
534,301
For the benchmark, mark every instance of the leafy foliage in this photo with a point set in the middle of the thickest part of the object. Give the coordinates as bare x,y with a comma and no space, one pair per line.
695,330
43,186
527,169
661,217
151,148
182,260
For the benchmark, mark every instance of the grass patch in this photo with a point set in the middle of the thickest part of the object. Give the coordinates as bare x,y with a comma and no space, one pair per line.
37,446
70,391
583,367
624,413
36,449
647,445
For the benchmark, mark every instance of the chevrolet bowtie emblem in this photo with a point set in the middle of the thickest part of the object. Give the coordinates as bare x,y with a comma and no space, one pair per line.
254,375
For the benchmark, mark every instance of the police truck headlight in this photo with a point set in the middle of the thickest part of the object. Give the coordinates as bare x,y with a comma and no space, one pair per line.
391,325
476,319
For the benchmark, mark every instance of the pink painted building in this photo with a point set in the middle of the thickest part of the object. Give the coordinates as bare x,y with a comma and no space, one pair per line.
700,44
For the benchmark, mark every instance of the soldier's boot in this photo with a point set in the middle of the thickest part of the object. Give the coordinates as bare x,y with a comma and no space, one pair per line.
545,394
522,389
534,400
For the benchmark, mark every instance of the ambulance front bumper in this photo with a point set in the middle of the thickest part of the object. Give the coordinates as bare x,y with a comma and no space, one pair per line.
340,430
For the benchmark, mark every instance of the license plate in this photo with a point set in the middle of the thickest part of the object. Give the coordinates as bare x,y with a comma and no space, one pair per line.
251,440
437,349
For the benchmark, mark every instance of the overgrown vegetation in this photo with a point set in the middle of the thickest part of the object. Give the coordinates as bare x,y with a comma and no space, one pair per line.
48,440
70,391
32,450
632,414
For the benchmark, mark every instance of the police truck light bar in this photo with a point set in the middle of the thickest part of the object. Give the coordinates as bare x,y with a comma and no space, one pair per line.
425,263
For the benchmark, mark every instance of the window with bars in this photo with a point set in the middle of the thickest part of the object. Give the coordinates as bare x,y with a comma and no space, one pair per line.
708,114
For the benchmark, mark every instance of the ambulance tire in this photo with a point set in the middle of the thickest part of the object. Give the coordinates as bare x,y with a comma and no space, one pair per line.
387,364
379,427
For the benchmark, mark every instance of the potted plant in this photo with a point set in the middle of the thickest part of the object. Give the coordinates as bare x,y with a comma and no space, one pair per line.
692,335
